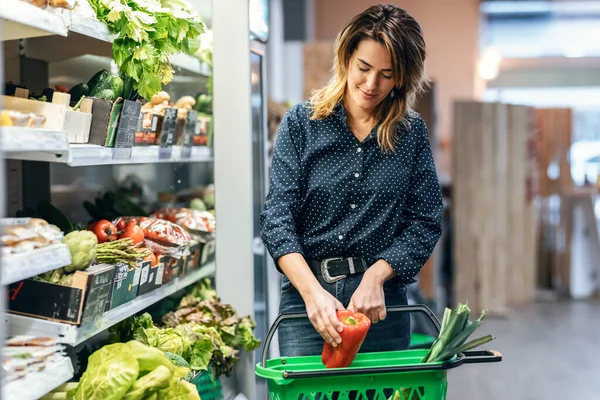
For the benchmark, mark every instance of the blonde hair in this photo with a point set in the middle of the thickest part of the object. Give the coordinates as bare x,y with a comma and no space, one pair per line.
401,35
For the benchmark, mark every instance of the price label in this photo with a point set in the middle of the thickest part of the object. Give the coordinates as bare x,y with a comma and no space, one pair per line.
189,131
136,277
144,277
167,135
128,125
159,274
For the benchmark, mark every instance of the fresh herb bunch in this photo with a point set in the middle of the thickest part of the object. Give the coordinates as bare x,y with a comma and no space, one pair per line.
146,35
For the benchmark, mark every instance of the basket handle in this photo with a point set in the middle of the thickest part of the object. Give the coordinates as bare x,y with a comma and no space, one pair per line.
408,308
482,356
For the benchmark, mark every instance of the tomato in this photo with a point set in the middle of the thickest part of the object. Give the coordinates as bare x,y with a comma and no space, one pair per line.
133,232
106,231
121,225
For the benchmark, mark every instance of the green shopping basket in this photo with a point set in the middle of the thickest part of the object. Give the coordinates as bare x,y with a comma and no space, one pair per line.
395,375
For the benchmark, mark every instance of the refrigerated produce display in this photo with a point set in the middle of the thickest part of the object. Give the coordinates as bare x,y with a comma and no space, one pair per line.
120,185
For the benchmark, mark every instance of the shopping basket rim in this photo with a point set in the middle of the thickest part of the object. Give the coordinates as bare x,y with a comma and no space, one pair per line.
290,368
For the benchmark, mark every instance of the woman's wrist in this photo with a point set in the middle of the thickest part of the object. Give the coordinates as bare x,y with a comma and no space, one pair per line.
380,272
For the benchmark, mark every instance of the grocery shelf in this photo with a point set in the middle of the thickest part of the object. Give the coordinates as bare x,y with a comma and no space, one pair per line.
21,20
37,384
17,139
93,28
19,266
79,155
73,335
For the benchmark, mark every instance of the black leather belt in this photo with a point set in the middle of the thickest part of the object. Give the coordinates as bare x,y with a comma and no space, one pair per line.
337,268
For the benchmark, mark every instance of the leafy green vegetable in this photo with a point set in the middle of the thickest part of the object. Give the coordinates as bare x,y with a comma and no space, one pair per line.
111,371
147,34
149,358
157,379
182,390
177,360
244,335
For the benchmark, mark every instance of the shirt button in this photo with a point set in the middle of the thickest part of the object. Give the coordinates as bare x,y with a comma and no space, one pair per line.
341,237
356,174
359,150
353,206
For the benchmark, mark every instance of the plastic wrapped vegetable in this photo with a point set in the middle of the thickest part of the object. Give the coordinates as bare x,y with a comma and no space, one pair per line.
160,236
82,245
194,221
164,237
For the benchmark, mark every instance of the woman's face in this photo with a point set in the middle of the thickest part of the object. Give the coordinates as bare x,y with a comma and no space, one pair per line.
369,75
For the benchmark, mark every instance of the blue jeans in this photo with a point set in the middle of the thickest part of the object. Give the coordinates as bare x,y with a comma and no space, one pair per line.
299,337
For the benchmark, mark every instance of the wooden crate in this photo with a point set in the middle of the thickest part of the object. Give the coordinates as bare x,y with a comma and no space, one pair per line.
492,215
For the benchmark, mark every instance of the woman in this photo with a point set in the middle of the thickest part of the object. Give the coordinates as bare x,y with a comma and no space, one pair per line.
354,207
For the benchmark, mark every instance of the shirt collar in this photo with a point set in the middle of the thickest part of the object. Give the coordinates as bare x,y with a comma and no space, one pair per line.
340,111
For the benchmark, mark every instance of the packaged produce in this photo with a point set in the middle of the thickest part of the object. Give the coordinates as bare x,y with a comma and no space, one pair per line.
198,223
83,247
20,235
356,326
160,236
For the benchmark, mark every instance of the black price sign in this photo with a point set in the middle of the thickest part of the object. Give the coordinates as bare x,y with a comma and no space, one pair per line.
189,130
168,133
128,125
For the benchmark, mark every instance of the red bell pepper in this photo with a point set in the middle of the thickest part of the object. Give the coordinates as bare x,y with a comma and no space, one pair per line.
356,325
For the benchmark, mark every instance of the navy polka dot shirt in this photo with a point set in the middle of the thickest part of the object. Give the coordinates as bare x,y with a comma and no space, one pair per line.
331,195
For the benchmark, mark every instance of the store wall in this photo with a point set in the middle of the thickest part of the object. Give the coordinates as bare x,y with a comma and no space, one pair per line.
451,31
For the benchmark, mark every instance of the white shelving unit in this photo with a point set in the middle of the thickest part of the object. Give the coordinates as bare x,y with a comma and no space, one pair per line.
19,266
80,155
19,140
36,385
74,335
61,35
20,20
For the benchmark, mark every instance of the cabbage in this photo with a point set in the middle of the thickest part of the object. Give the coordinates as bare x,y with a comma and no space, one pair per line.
159,378
111,371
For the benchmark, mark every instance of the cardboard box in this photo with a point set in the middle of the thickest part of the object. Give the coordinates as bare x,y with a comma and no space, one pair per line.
105,120
173,268
192,261
151,277
208,252
81,303
125,286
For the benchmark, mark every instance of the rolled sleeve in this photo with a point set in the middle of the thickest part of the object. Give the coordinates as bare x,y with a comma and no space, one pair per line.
278,227
422,216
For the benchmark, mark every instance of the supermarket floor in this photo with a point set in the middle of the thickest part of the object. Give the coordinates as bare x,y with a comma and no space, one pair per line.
550,351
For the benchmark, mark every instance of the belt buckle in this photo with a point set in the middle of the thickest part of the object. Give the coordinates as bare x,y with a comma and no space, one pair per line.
325,270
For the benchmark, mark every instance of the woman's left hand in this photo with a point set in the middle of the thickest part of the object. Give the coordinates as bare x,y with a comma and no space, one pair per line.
368,298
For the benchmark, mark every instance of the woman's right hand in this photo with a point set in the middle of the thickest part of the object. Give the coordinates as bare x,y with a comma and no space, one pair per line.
321,308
